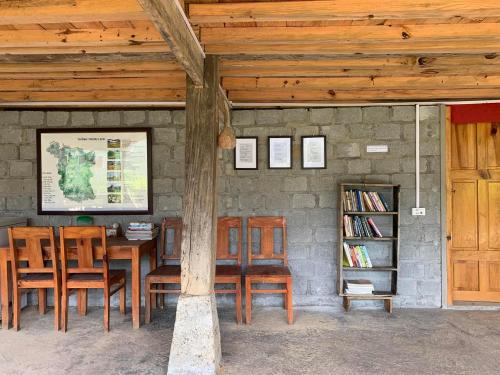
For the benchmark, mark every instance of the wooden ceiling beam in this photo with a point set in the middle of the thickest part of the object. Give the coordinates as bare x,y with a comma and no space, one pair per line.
88,67
359,96
364,10
78,51
171,81
83,59
360,49
134,95
56,11
406,34
134,36
171,22
359,66
361,83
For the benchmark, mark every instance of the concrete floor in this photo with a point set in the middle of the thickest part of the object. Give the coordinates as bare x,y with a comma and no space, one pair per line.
322,341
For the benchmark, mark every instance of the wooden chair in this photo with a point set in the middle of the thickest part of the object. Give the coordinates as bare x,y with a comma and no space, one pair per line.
35,275
229,273
170,270
86,275
267,274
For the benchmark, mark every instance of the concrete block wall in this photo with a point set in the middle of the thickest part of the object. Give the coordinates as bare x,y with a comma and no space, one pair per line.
308,198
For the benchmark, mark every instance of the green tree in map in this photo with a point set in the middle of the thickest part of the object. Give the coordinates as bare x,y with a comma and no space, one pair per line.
75,168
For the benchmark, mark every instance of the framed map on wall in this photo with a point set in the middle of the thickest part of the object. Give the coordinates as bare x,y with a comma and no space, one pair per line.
94,171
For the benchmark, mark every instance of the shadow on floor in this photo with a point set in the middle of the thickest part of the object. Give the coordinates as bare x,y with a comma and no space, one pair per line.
322,341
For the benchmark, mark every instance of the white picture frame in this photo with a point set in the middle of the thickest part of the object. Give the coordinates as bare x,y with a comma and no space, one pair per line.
279,152
246,153
313,152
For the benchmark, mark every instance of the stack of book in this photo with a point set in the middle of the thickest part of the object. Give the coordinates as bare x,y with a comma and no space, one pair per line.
361,201
356,256
141,231
358,287
356,226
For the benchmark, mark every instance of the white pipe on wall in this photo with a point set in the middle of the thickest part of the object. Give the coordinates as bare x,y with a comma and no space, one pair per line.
417,156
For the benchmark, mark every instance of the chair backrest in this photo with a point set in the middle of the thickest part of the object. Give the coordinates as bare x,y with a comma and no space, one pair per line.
84,240
173,226
266,251
224,227
32,240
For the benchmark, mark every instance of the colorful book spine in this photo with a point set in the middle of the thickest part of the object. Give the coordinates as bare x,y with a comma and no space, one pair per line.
348,255
374,227
367,257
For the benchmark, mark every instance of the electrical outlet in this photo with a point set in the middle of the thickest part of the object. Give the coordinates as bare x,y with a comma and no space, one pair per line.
418,211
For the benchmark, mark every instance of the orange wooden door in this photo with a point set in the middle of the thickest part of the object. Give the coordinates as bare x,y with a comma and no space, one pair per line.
473,211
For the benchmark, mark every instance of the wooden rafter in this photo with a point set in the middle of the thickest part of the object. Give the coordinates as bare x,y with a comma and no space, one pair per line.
171,22
360,96
342,10
55,11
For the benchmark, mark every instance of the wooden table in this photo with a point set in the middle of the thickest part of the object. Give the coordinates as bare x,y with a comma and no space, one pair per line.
118,249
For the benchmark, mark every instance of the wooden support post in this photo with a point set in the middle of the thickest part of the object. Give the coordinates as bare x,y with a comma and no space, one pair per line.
196,340
200,213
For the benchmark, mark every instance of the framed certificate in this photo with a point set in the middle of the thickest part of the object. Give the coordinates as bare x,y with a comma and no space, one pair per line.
246,153
279,152
314,152
94,171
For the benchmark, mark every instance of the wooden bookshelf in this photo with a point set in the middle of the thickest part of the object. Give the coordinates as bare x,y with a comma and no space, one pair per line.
390,240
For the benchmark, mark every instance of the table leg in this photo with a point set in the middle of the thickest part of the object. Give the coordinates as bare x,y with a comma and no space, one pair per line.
136,288
4,286
152,266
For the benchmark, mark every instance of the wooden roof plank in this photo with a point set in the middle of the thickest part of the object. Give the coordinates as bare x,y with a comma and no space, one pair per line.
334,96
54,11
348,34
95,95
365,83
340,10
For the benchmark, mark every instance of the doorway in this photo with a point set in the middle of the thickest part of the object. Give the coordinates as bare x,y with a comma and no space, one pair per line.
473,204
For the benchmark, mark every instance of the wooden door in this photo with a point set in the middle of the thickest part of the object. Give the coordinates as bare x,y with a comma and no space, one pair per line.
473,211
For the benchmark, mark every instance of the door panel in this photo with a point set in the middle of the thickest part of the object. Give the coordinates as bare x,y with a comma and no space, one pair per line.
466,275
493,145
463,143
494,276
464,215
473,211
494,215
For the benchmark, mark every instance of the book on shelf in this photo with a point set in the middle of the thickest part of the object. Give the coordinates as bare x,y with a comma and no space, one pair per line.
356,256
364,201
359,226
358,287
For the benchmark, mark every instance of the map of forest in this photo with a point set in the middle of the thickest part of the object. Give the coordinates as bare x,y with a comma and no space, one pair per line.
74,166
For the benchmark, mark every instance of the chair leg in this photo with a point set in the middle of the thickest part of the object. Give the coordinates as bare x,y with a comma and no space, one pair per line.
123,299
42,301
161,296
238,303
106,309
248,300
147,299
64,309
16,309
82,301
289,300
285,301
57,307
